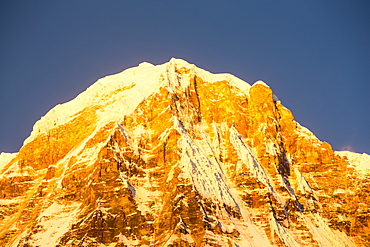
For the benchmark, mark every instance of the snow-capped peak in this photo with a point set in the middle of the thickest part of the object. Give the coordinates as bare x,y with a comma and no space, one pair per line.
119,94
173,154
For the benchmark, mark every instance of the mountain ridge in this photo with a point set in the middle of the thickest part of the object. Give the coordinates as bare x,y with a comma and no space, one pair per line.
172,155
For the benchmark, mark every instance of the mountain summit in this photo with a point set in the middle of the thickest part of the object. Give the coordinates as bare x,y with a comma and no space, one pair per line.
172,155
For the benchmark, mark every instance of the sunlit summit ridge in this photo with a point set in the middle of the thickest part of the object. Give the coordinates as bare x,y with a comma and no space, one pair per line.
173,155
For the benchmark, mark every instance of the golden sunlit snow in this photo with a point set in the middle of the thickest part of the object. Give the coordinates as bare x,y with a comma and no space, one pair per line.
171,155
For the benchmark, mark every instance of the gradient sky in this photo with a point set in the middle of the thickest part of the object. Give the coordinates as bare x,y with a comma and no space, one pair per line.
315,55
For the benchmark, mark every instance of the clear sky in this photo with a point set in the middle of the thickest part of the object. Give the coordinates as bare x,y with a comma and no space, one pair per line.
315,55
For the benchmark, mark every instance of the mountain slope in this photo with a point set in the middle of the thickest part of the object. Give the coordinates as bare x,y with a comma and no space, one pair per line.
172,155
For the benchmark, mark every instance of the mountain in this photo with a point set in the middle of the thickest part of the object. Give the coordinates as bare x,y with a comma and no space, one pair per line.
172,155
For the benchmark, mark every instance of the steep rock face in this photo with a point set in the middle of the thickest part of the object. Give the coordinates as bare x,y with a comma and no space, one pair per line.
171,155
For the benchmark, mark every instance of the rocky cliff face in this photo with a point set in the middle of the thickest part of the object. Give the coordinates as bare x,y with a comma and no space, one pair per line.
172,155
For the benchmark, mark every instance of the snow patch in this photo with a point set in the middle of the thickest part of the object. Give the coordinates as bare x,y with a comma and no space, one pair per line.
360,161
122,239
145,64
259,82
306,133
54,222
245,153
14,170
205,173
5,158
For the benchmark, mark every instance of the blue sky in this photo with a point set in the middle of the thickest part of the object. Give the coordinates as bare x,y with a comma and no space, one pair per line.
315,55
